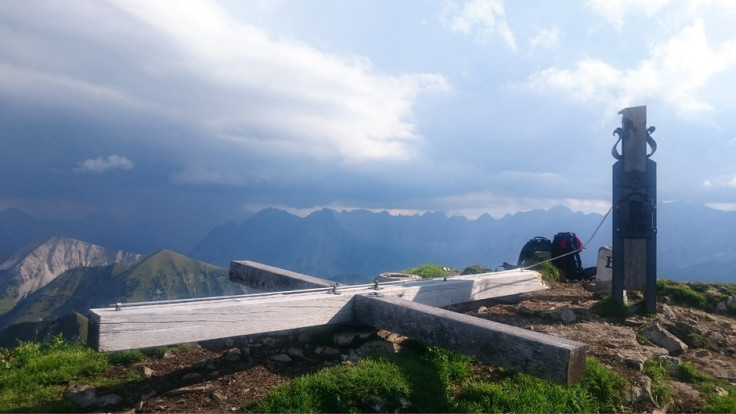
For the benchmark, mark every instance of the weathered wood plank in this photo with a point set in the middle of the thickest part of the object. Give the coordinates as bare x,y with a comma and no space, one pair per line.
634,148
551,358
172,323
272,279
167,324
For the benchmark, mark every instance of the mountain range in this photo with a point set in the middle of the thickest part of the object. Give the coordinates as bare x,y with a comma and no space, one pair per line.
694,241
62,276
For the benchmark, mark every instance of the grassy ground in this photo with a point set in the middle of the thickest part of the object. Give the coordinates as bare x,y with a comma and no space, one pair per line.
435,380
33,377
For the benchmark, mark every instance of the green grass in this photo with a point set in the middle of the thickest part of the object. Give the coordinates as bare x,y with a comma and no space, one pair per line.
659,372
415,381
427,271
550,273
601,391
608,307
34,376
437,380
683,294
475,269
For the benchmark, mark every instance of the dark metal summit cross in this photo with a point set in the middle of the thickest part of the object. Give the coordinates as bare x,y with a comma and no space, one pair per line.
635,209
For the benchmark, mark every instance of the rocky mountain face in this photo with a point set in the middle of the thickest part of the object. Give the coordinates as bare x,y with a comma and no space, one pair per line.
164,275
36,265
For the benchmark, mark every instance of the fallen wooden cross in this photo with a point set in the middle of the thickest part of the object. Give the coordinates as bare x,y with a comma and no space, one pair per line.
407,308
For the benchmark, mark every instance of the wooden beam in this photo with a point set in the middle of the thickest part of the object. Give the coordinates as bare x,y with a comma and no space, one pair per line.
272,279
548,357
134,326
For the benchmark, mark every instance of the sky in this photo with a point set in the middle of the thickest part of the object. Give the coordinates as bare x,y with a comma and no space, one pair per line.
217,109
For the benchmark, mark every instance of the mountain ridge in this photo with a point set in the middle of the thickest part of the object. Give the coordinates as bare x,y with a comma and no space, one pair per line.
37,264
163,275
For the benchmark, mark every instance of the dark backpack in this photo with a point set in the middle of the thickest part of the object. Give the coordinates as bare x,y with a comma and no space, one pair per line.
534,251
566,248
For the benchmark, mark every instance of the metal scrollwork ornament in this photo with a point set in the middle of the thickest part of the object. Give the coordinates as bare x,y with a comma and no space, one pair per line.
620,132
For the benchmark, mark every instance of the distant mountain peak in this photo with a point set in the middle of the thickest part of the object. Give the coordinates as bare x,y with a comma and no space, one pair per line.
37,264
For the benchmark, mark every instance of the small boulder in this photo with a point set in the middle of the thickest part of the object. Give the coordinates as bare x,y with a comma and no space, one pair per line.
281,358
662,338
82,394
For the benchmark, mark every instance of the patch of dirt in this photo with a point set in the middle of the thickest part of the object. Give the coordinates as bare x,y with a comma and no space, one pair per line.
226,375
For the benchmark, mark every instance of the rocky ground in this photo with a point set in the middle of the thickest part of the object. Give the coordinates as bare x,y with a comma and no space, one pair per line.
225,375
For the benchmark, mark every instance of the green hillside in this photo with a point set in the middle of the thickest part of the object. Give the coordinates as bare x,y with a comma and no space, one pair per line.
164,275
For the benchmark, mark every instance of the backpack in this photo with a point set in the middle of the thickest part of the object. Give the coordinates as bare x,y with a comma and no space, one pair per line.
534,251
566,248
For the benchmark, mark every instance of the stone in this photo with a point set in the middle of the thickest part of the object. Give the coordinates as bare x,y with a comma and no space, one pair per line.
326,350
376,404
405,403
344,338
604,272
145,372
721,307
187,390
702,353
295,352
219,397
232,355
731,302
673,362
633,362
281,358
662,338
523,310
635,321
642,391
193,376
667,311
108,399
567,315
81,394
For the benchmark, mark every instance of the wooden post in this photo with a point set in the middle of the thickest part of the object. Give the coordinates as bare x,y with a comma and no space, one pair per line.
272,279
634,209
551,358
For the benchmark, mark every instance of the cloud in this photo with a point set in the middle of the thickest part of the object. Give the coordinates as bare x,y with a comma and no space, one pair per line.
675,72
615,12
481,18
545,36
195,65
205,175
283,96
99,164
721,181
